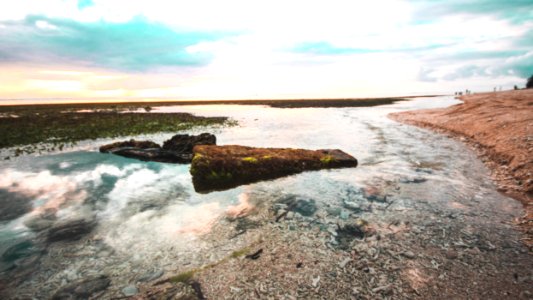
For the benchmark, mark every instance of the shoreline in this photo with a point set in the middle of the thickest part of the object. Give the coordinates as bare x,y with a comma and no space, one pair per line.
282,103
495,126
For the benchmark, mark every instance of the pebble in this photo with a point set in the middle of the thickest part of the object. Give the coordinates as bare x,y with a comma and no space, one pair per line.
343,263
344,215
332,231
385,288
290,215
316,281
130,290
352,205
279,206
409,254
450,254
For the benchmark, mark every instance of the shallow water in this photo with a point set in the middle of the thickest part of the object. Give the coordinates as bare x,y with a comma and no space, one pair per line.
149,220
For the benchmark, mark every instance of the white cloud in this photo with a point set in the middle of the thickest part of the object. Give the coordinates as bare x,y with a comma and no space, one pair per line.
258,63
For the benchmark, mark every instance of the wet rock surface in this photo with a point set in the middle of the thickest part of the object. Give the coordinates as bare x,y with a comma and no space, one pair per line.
184,143
13,205
70,230
176,150
41,221
224,167
20,250
154,155
129,144
82,289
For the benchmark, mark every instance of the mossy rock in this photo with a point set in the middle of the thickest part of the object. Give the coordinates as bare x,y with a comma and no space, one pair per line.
222,167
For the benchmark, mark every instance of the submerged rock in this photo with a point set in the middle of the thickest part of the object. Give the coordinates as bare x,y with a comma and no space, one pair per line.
223,167
296,204
154,155
83,289
70,230
13,205
130,290
129,144
22,249
176,150
41,221
350,231
23,256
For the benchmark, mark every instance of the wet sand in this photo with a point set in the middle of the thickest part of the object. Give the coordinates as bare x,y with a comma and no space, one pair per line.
499,127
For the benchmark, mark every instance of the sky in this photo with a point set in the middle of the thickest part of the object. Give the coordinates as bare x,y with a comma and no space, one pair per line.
83,50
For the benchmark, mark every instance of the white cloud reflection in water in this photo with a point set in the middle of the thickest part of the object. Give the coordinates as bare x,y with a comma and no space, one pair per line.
48,191
140,207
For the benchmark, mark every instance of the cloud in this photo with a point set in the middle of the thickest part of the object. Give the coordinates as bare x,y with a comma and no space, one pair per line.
244,49
136,45
516,11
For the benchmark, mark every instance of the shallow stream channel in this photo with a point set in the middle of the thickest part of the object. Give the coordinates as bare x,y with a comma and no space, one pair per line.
418,218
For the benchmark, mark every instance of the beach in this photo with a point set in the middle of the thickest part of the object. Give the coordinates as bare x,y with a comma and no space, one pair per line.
418,218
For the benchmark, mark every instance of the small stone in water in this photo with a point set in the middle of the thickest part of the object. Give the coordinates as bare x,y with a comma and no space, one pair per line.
344,215
130,290
332,231
352,206
334,211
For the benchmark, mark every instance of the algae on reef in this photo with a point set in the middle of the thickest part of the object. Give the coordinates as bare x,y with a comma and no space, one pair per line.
224,167
49,128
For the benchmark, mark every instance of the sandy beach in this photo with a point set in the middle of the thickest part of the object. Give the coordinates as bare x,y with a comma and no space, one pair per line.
499,127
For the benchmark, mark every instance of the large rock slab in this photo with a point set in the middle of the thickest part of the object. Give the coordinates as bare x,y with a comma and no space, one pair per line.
223,167
176,150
